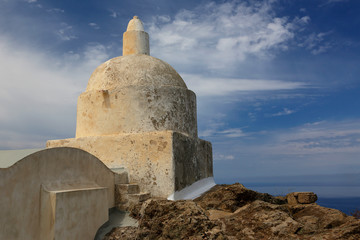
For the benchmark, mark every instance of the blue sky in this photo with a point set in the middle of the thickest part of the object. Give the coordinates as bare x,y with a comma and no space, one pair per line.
277,81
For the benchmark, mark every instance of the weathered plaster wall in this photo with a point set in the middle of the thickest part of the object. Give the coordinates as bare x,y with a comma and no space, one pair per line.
72,214
193,160
147,157
161,162
136,42
135,39
136,109
60,169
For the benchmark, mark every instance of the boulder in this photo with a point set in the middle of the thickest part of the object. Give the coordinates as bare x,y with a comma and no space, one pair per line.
301,198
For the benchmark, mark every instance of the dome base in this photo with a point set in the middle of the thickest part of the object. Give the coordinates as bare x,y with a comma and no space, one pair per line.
136,109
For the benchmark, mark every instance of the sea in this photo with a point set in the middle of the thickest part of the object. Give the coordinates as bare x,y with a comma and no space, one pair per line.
345,199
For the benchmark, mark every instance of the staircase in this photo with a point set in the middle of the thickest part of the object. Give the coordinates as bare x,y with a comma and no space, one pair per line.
126,193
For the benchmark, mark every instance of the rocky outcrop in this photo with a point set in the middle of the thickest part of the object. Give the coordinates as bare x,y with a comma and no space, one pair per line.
170,220
235,212
231,197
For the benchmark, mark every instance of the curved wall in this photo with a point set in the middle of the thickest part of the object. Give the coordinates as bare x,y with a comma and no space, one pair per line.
56,170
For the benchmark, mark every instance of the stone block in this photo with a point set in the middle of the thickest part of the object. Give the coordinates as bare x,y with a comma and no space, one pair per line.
128,188
307,197
139,197
132,199
301,198
123,190
72,213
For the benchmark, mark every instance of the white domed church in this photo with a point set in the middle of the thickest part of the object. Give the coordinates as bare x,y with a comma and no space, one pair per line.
138,114
136,137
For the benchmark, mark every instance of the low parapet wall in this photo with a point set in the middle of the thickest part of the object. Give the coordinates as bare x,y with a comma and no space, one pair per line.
58,193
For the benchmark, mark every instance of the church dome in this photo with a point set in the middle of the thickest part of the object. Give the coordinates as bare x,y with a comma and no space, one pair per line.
134,70
135,93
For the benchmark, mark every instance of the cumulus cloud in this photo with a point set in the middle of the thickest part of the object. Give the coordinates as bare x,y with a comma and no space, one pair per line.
38,93
217,35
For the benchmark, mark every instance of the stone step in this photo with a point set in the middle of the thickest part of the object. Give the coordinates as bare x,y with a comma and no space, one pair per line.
122,192
132,199
129,188
126,193
138,197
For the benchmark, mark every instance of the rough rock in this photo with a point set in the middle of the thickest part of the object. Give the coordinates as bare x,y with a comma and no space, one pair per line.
164,219
231,197
124,233
235,212
301,198
261,220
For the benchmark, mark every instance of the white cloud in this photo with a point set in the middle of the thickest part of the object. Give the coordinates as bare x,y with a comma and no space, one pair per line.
216,127
217,36
232,133
30,1
55,10
38,93
317,43
285,111
227,133
94,54
208,86
321,147
164,18
94,26
320,137
113,14
327,2
222,157
65,33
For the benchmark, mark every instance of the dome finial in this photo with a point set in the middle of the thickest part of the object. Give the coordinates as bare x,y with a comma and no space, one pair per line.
135,39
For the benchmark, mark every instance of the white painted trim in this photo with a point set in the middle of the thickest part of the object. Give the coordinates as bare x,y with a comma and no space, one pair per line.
194,190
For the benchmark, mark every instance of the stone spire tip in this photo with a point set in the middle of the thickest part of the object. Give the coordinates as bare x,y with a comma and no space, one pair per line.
135,24
135,39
